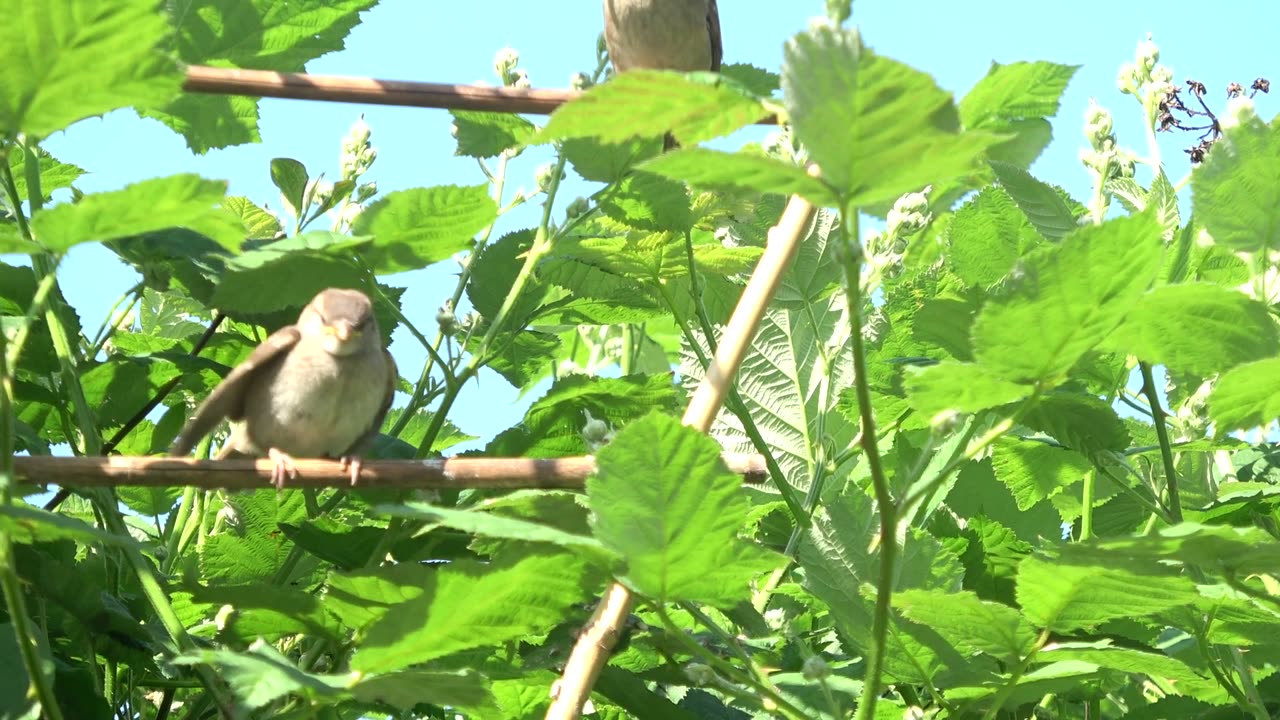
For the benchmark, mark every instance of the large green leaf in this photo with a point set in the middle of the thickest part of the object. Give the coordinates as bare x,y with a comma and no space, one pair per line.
1247,396
281,35
963,387
65,60
1064,597
1034,471
648,103
715,169
970,623
875,126
415,228
1236,192
1198,328
987,236
467,605
182,201
1017,99
1067,299
677,530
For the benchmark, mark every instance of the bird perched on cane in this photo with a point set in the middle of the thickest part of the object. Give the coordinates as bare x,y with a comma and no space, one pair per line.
317,388
680,35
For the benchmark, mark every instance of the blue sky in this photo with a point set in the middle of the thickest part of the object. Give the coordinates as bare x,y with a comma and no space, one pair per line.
433,40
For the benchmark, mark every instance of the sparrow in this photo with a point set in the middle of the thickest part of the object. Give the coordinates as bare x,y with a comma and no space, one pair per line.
318,388
680,35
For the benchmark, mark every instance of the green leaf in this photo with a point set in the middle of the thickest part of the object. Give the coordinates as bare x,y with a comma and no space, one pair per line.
415,228
1198,328
29,525
970,623
290,176
258,223
649,103
467,605
714,169
1236,191
962,387
1065,597
1040,202
184,201
646,201
987,236
65,60
16,697
11,241
1016,99
1084,423
487,134
1067,299
1247,396
757,81
261,675
288,273
1236,551
1034,471
876,127
256,34
607,162
493,525
54,174
677,530
461,689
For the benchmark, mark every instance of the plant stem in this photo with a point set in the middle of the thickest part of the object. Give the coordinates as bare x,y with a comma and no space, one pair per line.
1007,689
15,603
1162,436
852,261
1087,494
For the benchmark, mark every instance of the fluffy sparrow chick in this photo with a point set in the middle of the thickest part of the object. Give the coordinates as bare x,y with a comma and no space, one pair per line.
681,35
318,388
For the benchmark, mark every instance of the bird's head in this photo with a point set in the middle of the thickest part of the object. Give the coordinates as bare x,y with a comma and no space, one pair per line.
342,321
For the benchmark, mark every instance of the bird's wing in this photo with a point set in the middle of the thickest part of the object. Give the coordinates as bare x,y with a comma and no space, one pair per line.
713,29
389,394
228,399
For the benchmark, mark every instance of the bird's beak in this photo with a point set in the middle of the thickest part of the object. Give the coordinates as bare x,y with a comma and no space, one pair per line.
343,331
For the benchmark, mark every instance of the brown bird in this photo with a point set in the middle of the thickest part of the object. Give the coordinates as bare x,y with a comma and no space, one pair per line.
680,35
318,388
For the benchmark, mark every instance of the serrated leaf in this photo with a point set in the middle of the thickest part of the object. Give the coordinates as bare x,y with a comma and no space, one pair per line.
256,34
415,228
962,387
987,236
468,604
262,675
755,80
258,223
646,201
28,525
677,531
1198,328
1067,300
1042,205
65,60
493,525
184,201
1231,550
970,623
1084,423
1247,396
1016,99
1063,597
649,103
487,134
54,174
1236,190
875,126
1034,471
714,169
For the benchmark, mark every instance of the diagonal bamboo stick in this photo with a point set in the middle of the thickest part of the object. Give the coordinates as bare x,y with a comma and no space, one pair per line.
591,651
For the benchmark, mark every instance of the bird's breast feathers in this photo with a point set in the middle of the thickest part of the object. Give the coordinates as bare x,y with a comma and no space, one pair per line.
314,404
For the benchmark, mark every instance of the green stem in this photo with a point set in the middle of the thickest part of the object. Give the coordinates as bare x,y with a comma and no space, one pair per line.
1162,436
38,301
727,670
15,602
888,510
542,244
1087,494
1007,689
108,327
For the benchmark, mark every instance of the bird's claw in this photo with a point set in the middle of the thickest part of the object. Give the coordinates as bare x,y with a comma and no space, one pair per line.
352,463
283,466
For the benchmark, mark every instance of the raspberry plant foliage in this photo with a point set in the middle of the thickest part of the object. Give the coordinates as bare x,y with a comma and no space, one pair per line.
1018,441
